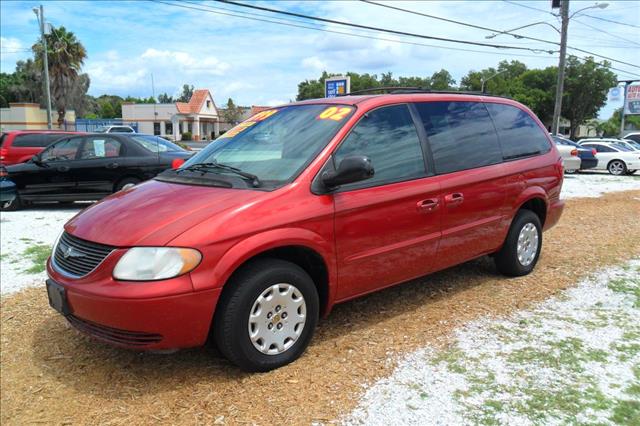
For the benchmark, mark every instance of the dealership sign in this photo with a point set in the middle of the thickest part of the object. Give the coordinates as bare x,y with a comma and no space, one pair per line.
632,100
337,86
615,94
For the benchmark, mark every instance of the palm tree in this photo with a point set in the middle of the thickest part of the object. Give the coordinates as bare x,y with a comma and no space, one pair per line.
65,55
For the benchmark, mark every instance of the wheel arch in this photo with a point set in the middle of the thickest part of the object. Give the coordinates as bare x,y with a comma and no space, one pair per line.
536,200
307,250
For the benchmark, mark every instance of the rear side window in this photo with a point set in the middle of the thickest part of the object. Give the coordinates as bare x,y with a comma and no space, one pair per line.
389,138
35,140
520,136
461,135
100,147
600,148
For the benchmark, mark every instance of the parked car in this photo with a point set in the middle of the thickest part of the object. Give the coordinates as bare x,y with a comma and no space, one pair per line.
301,207
634,136
569,154
18,146
115,129
587,156
7,189
631,144
90,167
615,158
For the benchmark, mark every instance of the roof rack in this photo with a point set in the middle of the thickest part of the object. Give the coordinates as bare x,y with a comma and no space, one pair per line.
395,90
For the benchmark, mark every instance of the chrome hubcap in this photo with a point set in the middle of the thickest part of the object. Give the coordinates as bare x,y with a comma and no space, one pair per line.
527,244
127,186
616,168
277,319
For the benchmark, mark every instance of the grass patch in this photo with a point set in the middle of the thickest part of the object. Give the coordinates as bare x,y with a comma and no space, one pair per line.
38,255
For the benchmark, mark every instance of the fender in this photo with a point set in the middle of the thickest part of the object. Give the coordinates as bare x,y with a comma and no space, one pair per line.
264,241
529,194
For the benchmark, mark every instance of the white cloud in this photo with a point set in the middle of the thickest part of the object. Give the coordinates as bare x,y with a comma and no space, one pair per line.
12,50
186,62
314,63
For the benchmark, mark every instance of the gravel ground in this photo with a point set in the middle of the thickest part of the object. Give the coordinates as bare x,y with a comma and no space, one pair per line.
27,237
52,374
595,184
573,359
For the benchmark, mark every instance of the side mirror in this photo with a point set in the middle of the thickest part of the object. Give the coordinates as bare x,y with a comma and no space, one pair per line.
36,159
353,168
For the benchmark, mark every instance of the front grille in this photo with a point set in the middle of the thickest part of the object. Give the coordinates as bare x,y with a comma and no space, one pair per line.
79,257
114,335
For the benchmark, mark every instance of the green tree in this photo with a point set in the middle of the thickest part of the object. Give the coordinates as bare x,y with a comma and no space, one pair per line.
441,80
585,90
611,127
164,98
232,112
23,85
187,92
66,55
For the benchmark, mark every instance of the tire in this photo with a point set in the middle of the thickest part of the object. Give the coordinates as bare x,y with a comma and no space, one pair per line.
13,206
233,324
126,183
617,167
507,259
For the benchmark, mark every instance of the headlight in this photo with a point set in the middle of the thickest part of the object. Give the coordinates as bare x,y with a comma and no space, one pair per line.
155,263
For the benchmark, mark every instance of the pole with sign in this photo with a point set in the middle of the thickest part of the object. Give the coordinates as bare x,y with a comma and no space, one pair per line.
631,104
337,86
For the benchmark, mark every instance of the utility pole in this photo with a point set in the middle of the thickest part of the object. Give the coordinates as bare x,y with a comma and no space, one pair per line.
557,109
47,88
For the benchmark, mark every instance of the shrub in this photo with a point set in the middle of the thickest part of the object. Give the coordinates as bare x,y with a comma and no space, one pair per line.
186,136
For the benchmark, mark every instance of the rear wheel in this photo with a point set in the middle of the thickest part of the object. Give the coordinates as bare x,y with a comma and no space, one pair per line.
617,167
267,316
126,183
521,250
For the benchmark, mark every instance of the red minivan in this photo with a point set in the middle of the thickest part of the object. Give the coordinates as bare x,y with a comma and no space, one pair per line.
19,146
301,207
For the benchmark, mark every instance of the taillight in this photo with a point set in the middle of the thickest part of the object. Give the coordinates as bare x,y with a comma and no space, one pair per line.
593,151
574,152
3,153
177,162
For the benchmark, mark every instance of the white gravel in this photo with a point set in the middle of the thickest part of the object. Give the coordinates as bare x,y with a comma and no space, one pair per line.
595,184
24,229
570,360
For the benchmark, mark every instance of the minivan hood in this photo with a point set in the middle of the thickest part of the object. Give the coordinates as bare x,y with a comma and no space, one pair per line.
154,213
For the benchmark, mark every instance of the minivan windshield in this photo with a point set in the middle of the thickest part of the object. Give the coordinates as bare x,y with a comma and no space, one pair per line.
274,146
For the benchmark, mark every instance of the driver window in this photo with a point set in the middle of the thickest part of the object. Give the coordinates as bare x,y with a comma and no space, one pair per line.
61,151
100,147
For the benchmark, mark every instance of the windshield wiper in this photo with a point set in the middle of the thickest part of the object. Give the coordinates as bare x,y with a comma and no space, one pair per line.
205,167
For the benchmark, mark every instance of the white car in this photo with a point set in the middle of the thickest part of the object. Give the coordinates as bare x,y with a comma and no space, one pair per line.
631,144
615,158
634,136
570,160
115,129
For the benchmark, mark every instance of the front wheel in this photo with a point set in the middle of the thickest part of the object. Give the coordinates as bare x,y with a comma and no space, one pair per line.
521,250
267,315
12,206
617,167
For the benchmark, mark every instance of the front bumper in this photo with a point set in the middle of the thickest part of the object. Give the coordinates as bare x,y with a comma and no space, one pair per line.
120,314
8,191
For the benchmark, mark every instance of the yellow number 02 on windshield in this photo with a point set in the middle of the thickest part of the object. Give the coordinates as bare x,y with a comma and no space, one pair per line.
334,113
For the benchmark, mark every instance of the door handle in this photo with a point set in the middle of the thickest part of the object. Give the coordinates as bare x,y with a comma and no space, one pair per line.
112,166
454,199
428,205
63,168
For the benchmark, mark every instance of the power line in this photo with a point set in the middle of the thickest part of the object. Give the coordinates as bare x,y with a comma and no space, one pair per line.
367,27
605,32
528,7
610,20
333,21
182,5
357,35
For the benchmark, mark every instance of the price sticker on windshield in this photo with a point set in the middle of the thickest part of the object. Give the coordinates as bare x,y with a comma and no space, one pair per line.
239,128
334,113
263,115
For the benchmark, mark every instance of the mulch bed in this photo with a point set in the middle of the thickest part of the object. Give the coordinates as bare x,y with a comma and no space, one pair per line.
52,374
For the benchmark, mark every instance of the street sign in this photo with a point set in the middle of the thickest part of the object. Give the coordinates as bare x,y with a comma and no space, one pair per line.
337,86
615,94
632,100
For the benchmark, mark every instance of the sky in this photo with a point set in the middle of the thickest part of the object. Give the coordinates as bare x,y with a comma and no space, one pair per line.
261,63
